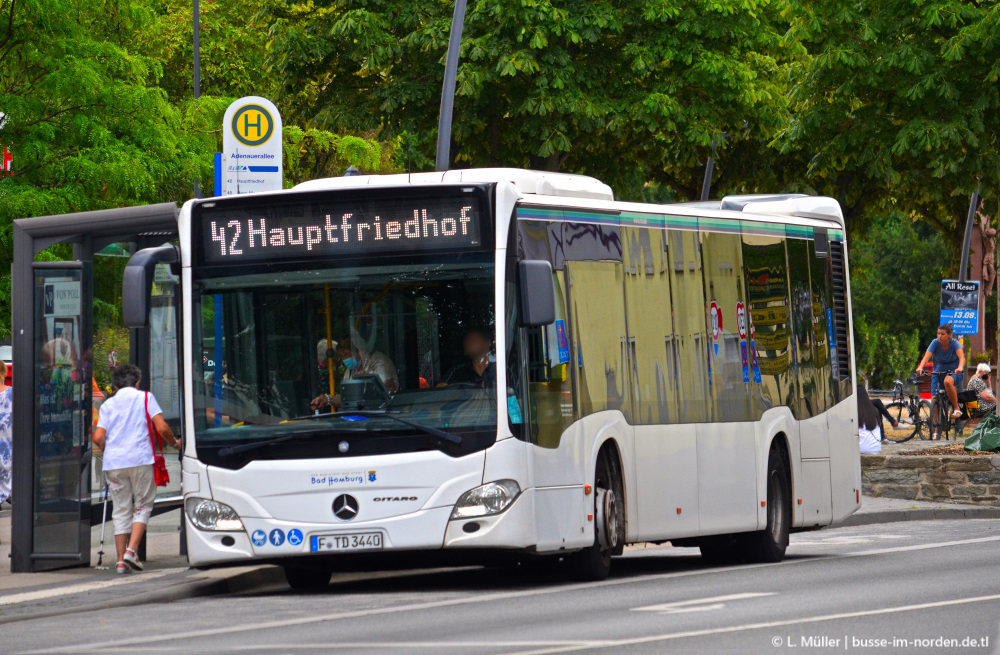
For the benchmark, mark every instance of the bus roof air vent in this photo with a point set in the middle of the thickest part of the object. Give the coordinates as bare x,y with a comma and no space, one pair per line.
533,182
791,204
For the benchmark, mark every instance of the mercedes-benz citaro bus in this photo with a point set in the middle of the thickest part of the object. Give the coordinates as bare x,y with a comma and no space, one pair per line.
491,362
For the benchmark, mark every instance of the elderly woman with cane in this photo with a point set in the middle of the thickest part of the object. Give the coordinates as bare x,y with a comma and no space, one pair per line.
123,433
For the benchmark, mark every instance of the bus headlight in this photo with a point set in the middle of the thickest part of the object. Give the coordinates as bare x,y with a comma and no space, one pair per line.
486,500
212,515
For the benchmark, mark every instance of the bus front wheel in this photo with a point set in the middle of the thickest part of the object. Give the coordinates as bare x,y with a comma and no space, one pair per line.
594,563
769,544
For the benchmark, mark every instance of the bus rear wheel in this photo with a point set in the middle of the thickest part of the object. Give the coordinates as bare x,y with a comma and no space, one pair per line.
769,544
307,579
594,563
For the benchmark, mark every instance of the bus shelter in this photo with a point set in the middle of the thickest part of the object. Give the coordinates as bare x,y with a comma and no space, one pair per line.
53,467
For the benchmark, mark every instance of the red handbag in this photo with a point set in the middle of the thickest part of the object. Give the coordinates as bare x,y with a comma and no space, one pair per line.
160,474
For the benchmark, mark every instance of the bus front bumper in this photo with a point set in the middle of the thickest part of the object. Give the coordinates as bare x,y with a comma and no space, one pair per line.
266,539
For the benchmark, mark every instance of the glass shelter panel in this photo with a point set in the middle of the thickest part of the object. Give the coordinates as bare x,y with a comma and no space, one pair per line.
62,381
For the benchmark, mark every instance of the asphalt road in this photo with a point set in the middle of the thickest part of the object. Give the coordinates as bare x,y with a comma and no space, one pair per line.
912,585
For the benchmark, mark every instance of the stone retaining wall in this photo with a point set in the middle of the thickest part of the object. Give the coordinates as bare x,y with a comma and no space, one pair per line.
974,480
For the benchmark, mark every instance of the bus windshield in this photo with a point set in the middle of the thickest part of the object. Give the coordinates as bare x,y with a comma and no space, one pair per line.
414,339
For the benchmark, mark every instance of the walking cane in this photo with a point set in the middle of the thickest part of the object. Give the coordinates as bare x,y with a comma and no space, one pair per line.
104,526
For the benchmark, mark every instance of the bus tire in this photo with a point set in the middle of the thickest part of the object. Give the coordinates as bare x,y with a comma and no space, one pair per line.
307,579
594,563
769,544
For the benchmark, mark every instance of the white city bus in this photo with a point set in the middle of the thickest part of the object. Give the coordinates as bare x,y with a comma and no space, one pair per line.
677,373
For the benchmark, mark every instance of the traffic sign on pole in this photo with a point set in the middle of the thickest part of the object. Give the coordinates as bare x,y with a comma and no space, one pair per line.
251,144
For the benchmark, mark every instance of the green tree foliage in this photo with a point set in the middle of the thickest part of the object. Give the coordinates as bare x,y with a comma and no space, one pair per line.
896,274
885,355
233,48
99,110
86,123
630,92
897,106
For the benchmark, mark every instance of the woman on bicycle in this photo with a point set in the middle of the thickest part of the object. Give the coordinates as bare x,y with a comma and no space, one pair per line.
948,358
980,384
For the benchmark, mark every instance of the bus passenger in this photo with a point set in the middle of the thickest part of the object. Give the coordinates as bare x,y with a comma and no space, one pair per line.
479,370
358,362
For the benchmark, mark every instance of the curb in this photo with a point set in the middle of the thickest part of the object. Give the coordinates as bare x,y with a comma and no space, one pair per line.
920,514
258,577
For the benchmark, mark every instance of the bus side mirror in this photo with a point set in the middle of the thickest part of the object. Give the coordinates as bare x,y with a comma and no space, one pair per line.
538,300
137,283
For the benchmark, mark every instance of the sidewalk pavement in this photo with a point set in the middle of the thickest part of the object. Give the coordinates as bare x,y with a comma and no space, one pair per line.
168,578
890,510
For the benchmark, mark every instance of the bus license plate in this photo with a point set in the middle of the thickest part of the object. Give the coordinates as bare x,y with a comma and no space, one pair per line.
345,542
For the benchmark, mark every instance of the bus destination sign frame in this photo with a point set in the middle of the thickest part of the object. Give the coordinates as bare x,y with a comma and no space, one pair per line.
341,223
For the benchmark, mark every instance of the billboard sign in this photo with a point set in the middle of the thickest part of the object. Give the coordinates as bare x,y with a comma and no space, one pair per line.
960,306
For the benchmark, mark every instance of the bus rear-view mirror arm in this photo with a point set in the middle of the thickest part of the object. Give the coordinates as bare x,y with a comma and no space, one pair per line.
137,283
538,300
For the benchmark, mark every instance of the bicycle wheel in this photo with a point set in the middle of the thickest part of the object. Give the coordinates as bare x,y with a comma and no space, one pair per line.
899,412
922,421
937,418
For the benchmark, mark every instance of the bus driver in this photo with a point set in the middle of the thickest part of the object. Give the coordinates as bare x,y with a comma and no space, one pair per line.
358,362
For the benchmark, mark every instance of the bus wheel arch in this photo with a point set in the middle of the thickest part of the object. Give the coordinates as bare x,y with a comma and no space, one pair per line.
611,450
593,562
769,544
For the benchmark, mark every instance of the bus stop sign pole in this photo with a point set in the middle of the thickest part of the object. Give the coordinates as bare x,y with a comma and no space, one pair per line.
443,157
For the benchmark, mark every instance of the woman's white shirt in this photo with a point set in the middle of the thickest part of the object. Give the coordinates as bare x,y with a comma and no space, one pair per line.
870,440
123,416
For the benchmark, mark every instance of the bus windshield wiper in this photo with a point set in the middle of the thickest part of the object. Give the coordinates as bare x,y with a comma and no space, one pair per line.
254,445
435,432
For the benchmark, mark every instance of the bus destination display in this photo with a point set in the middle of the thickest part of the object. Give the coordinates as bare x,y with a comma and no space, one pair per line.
297,231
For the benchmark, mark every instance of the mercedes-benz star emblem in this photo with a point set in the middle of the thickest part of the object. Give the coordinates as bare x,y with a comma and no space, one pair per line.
345,507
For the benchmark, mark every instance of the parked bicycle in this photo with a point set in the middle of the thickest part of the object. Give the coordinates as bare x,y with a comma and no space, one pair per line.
908,411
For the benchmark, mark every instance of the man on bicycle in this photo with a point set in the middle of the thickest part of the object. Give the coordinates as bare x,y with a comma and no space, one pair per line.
948,358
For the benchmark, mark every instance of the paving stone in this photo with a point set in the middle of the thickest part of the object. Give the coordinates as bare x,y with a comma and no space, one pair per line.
968,490
894,476
935,490
991,477
913,462
905,491
969,464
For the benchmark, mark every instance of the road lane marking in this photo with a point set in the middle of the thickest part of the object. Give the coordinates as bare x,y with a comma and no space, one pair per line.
699,604
618,643
904,549
359,645
174,637
83,587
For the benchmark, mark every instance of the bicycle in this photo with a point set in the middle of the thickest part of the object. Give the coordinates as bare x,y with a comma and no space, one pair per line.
941,410
909,409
